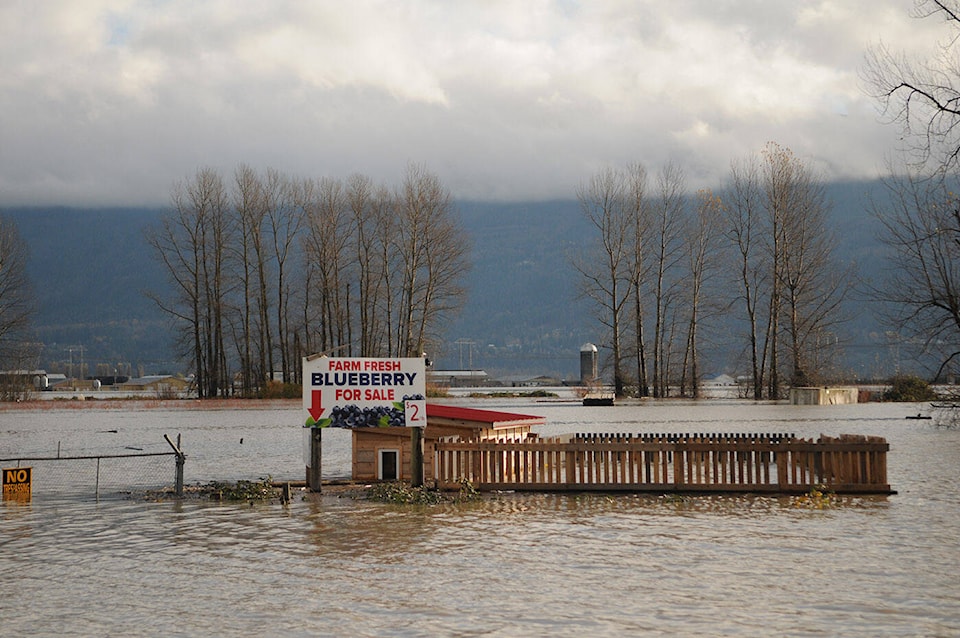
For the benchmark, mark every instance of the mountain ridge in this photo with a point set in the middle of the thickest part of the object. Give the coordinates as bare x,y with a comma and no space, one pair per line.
523,315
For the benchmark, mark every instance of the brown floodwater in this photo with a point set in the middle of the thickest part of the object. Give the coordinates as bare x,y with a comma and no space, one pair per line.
511,565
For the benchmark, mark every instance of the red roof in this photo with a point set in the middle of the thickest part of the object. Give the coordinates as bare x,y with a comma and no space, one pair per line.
492,418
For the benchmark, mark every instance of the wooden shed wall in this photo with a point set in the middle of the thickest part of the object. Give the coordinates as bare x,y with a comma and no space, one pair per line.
367,445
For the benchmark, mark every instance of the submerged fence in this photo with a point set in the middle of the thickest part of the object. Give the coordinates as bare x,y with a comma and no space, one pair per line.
777,463
102,475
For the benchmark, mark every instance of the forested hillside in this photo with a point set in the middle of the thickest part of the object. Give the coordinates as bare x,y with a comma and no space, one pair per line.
523,314
89,269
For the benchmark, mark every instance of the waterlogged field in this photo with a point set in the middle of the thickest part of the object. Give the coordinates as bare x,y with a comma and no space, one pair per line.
509,565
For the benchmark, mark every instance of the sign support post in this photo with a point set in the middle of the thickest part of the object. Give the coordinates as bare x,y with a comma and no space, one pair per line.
416,456
314,475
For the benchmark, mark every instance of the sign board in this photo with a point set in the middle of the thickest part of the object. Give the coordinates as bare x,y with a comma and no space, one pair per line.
349,392
415,413
17,484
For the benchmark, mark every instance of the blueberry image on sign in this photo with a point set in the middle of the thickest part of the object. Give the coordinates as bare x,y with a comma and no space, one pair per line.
375,416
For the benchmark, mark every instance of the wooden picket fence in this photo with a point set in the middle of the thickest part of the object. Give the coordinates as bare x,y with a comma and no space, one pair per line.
763,463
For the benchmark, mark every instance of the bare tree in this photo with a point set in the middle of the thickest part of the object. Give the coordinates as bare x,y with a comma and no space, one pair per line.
703,258
192,244
776,176
433,250
17,305
922,95
387,222
372,211
742,210
288,199
250,207
16,298
921,221
667,224
639,211
809,286
607,271
814,285
776,219
328,251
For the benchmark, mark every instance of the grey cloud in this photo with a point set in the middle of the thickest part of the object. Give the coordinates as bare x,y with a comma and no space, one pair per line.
502,100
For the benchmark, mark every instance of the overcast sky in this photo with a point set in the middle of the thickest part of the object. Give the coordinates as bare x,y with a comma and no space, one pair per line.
111,102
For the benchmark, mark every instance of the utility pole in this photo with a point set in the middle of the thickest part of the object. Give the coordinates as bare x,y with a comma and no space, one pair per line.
469,343
71,350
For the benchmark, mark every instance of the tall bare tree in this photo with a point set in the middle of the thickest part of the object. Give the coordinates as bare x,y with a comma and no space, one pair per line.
742,223
17,305
433,253
776,219
815,285
779,197
16,298
372,210
386,225
703,260
639,210
192,244
328,251
288,198
253,341
608,269
810,286
667,224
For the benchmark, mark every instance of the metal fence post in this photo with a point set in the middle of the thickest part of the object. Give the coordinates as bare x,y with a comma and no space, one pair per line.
181,458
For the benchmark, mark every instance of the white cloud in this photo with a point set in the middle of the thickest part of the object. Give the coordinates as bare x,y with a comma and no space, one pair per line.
111,102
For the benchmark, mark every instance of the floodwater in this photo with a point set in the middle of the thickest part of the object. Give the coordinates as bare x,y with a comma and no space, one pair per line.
512,565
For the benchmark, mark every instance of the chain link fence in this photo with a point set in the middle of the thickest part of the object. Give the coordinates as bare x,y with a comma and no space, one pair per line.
101,476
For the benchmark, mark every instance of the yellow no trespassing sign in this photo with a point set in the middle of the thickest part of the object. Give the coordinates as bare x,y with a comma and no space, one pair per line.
17,483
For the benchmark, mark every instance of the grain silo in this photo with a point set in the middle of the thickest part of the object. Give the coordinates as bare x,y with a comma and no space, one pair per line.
588,363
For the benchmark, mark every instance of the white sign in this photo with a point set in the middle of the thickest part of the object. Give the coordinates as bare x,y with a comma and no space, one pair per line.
415,413
349,392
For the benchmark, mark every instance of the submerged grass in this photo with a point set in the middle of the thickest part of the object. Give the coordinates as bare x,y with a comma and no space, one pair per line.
261,490
403,494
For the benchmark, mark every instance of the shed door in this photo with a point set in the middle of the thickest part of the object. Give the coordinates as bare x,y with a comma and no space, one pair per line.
387,465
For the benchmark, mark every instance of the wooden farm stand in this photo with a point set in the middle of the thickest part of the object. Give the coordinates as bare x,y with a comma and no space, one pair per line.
496,451
384,453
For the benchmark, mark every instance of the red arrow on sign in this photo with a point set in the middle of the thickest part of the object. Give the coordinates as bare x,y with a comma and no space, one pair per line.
316,405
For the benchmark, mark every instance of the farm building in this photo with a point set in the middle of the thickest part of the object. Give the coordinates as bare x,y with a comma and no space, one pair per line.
384,453
159,384
823,395
497,451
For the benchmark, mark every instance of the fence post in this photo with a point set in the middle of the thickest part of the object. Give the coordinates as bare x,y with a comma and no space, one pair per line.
181,457
178,486
678,454
781,458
